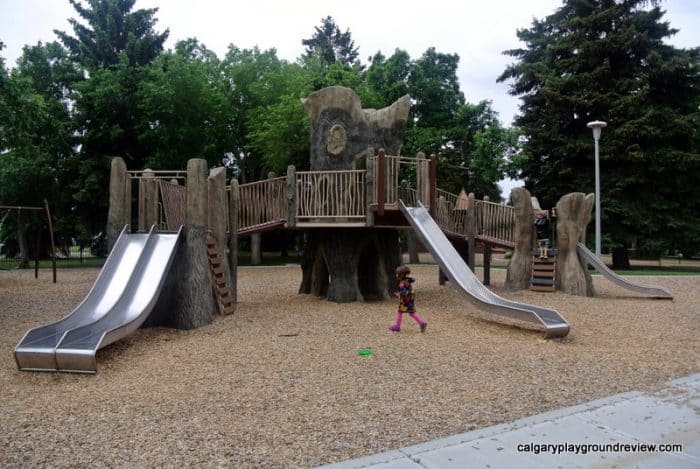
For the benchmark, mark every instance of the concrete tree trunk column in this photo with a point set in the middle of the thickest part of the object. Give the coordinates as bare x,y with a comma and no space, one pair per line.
573,215
520,266
350,264
218,213
118,200
187,300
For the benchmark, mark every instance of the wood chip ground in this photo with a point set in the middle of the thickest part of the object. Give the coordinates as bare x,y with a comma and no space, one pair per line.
280,383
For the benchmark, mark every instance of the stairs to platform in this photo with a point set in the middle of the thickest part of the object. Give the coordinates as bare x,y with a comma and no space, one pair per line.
224,300
543,271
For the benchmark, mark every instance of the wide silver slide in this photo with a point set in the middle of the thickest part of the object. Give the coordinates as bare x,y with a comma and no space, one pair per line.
131,278
77,349
36,350
463,279
589,257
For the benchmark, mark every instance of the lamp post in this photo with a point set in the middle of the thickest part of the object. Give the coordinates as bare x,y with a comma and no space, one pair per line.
597,126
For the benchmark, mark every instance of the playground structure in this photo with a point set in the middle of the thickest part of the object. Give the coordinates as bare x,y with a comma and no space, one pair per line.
46,216
168,278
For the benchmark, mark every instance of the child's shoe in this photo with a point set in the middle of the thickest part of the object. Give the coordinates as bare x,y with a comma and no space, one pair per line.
423,326
394,328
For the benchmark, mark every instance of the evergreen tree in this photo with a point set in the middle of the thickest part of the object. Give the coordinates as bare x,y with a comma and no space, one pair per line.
607,60
328,45
113,30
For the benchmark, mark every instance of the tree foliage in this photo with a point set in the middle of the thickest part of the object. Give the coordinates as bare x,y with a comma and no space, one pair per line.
328,45
109,89
113,30
607,60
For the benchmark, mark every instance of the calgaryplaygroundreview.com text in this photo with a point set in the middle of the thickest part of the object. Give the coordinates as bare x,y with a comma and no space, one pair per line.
585,448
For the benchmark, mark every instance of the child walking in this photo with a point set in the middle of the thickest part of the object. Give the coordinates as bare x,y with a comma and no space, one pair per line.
406,299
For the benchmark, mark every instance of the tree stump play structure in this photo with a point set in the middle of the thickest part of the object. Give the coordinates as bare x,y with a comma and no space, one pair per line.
187,300
347,263
520,266
573,215
565,272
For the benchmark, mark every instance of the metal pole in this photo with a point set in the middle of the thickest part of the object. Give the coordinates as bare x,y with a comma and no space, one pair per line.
597,201
597,127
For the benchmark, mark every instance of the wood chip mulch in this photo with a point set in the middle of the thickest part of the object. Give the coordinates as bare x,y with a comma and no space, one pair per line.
280,383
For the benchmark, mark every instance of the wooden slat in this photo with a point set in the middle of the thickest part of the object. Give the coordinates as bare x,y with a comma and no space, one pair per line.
542,288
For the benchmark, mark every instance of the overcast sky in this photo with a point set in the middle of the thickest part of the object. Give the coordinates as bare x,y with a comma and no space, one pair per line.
477,30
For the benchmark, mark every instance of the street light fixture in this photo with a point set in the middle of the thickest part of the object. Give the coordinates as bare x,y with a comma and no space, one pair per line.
597,127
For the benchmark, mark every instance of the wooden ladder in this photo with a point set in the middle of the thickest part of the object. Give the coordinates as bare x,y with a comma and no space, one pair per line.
222,292
543,271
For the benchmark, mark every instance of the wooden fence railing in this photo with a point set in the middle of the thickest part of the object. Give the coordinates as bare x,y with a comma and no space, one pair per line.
393,169
495,222
262,202
450,213
330,195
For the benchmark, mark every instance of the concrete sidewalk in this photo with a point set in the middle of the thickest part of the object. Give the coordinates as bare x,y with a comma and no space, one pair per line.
606,430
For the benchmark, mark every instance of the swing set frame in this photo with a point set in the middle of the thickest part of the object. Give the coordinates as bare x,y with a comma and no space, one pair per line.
47,214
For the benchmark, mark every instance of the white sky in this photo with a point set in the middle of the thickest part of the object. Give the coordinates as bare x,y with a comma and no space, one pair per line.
477,30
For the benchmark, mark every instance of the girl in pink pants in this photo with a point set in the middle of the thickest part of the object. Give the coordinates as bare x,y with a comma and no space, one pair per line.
406,300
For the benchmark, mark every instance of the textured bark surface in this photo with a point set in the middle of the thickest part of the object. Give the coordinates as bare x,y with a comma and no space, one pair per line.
520,266
117,214
351,264
573,215
187,300
341,130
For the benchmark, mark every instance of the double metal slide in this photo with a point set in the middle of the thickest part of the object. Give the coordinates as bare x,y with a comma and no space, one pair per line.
464,280
119,301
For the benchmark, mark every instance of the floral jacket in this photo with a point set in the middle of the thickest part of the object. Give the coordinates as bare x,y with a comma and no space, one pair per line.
405,295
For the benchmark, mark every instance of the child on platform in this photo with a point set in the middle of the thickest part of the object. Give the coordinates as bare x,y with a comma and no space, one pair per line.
544,231
406,300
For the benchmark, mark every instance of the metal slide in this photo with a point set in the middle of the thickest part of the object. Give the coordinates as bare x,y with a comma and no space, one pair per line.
134,270
589,257
462,278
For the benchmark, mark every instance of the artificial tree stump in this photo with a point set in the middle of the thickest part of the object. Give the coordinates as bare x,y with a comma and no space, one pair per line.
354,264
520,265
573,215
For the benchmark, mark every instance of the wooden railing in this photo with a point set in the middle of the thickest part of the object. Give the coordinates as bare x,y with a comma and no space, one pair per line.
451,213
172,204
495,222
330,195
393,169
262,203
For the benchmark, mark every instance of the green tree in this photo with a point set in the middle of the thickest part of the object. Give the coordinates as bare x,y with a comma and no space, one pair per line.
278,129
471,145
388,78
607,60
113,46
328,45
184,108
113,30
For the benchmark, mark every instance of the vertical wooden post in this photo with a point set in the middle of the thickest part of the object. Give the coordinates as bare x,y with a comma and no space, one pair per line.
49,225
432,176
233,206
291,196
420,177
381,180
116,215
471,230
127,202
370,177
487,264
487,255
